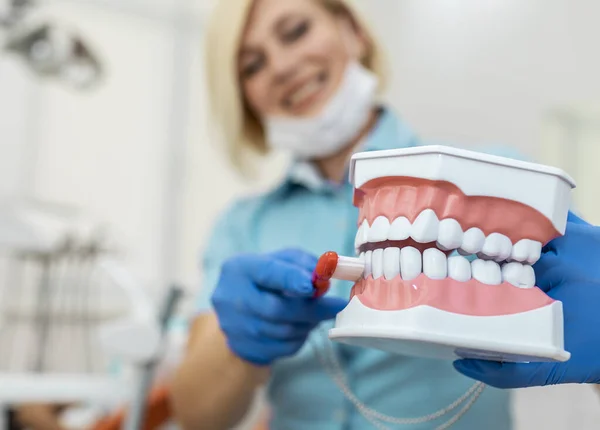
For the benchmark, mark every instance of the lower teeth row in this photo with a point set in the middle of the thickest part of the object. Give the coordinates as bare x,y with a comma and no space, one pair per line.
409,263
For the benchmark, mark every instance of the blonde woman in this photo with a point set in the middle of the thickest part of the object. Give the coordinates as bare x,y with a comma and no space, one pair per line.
300,76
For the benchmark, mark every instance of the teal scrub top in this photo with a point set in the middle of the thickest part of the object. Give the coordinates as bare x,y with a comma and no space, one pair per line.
308,212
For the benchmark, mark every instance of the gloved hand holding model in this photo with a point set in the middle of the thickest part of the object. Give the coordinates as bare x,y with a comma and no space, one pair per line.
569,271
265,304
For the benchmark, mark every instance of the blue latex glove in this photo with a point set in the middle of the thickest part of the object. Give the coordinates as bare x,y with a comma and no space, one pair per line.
265,305
569,271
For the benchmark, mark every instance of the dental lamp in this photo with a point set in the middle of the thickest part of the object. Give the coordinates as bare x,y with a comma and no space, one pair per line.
50,50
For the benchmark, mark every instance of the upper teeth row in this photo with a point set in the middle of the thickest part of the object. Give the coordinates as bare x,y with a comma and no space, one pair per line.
449,235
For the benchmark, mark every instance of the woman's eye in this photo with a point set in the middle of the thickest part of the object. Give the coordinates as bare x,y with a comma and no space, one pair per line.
250,69
296,32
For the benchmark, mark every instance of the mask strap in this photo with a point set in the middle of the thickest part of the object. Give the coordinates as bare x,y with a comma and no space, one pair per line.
332,366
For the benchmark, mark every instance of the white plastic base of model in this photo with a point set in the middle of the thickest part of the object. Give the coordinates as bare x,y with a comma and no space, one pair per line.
546,189
425,331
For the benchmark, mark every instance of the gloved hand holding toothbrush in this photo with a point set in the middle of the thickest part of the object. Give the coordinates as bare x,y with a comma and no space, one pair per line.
569,271
265,304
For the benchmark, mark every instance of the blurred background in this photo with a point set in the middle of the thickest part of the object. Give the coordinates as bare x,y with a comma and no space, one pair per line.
105,153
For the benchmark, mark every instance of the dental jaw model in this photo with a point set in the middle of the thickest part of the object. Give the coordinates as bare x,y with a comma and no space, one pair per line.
445,246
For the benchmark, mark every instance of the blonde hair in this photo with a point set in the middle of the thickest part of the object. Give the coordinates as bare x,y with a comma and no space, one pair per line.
241,130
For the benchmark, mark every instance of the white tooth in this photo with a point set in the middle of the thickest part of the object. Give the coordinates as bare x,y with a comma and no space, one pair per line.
368,263
473,241
519,275
497,246
450,235
512,273
505,249
391,262
435,265
526,250
520,251
400,229
361,235
528,279
426,226
491,246
486,272
459,268
379,230
535,252
361,257
377,263
410,263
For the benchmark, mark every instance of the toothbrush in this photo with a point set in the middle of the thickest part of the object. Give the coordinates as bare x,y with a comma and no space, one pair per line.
333,266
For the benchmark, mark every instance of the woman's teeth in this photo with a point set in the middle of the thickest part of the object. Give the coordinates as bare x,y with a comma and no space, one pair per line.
305,91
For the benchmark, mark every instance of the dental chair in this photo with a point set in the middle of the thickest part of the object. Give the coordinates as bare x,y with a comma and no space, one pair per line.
60,269
76,327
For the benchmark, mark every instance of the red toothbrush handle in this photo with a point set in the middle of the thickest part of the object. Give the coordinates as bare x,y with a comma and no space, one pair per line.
323,272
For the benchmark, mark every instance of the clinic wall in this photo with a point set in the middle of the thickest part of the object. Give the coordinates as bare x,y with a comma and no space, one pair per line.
488,72
17,98
104,151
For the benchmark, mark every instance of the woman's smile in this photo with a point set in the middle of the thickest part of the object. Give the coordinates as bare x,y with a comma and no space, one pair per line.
304,96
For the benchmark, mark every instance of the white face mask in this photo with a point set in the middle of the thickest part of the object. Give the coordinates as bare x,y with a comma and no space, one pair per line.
344,116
